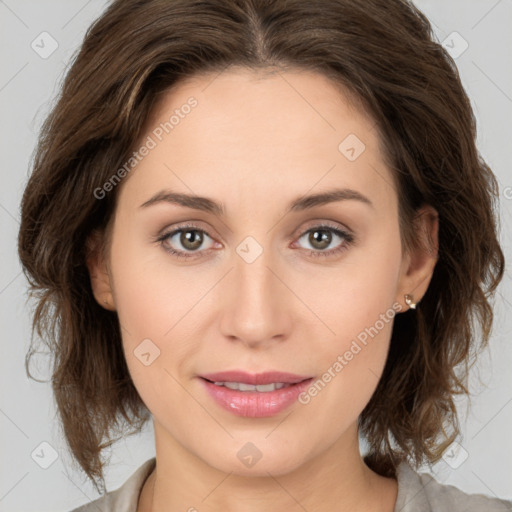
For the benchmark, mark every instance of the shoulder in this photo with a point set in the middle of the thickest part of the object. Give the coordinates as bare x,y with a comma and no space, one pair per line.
125,498
420,492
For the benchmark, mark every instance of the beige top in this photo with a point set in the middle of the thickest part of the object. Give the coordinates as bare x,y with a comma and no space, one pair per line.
417,492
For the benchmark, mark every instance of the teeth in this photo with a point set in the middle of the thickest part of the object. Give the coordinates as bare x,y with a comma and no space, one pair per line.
263,388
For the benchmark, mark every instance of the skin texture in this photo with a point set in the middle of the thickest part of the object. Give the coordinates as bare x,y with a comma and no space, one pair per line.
255,143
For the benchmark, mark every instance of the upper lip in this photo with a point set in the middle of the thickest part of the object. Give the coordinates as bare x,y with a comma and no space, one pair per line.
255,378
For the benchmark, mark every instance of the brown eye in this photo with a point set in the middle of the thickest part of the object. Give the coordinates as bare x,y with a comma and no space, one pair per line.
191,239
320,238
185,241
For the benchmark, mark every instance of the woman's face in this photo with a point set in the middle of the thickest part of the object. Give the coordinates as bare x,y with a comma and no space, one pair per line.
264,286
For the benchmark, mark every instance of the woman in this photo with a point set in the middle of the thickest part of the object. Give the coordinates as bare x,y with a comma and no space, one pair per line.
266,225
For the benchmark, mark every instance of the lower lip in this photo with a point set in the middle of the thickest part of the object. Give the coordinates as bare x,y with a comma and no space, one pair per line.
255,404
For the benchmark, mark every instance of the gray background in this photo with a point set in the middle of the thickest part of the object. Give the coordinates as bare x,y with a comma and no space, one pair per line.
28,84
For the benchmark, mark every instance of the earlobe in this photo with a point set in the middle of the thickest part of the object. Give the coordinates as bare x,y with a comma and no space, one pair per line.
419,264
98,271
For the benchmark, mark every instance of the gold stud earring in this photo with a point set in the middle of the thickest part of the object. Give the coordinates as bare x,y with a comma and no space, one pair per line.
409,301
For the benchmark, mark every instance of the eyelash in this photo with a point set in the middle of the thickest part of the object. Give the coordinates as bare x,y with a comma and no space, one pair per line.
348,240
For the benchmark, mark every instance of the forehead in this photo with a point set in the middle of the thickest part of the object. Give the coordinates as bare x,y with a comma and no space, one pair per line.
290,131
290,104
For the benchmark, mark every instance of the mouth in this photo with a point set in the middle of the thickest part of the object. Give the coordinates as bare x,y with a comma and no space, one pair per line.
255,395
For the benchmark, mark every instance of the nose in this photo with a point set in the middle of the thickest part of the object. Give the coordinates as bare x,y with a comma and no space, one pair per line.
256,303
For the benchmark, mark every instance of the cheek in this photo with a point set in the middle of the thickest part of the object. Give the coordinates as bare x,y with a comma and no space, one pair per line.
350,366
359,314
153,309
150,296
358,296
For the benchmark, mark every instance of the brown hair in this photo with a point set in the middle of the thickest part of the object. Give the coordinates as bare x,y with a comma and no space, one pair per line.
382,51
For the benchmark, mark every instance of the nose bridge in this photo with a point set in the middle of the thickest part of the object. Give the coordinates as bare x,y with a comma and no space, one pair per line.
254,310
251,271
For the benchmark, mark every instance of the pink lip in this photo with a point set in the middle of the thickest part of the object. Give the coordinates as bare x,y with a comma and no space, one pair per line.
255,378
255,404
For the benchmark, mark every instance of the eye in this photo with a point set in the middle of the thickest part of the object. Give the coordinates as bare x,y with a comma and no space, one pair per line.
321,237
190,237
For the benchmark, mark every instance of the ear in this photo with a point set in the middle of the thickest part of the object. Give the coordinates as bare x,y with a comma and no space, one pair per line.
418,264
98,271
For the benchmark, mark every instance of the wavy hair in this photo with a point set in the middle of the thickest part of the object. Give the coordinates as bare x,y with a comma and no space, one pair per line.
384,53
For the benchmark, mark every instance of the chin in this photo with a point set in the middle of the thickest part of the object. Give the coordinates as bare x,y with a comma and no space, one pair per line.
252,459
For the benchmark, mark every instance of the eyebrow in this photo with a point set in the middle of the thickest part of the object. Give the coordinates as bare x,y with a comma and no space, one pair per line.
302,203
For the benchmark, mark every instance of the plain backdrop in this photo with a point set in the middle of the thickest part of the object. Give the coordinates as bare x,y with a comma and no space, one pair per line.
480,37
